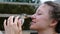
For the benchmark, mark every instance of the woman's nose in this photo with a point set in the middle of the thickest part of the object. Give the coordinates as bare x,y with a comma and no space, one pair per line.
33,17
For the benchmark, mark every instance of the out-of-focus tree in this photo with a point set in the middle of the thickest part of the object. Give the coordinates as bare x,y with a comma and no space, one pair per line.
16,9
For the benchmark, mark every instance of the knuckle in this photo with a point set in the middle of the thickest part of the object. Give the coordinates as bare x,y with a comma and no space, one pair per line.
11,25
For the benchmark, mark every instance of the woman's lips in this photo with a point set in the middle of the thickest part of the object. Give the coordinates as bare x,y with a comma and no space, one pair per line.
32,22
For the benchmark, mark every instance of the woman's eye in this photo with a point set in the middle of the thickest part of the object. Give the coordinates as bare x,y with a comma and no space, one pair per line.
39,13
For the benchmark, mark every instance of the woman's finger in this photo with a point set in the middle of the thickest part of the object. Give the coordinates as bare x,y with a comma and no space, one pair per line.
10,20
5,23
16,20
19,24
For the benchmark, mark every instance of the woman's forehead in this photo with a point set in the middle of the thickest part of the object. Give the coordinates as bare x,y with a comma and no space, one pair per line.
44,7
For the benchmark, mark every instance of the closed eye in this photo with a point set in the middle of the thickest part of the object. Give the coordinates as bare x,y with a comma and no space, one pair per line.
39,14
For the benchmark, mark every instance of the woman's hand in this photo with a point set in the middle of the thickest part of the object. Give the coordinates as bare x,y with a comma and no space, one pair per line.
13,27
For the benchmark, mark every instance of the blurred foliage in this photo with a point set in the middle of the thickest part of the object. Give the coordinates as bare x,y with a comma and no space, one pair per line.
16,9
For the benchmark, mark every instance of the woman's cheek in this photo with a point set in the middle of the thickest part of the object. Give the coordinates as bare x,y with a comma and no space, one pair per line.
41,22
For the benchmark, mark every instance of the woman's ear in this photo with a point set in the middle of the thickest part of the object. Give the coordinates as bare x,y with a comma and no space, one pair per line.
53,23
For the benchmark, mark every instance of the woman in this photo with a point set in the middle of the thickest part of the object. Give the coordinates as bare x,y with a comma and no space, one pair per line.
44,21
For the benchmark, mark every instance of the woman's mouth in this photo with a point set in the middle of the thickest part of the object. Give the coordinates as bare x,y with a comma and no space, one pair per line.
32,22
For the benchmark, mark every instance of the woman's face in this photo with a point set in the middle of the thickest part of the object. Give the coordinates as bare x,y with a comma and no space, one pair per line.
41,19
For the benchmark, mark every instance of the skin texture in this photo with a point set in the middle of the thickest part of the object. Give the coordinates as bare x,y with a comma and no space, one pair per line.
41,22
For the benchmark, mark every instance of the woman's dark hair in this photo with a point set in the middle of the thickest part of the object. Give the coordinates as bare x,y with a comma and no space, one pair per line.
55,13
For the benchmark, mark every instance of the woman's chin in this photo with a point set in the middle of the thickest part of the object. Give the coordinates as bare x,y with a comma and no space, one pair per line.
32,27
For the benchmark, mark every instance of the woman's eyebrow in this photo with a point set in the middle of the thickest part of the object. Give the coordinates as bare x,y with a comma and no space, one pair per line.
39,11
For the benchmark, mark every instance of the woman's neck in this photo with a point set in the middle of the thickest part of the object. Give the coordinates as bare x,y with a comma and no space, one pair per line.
47,31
